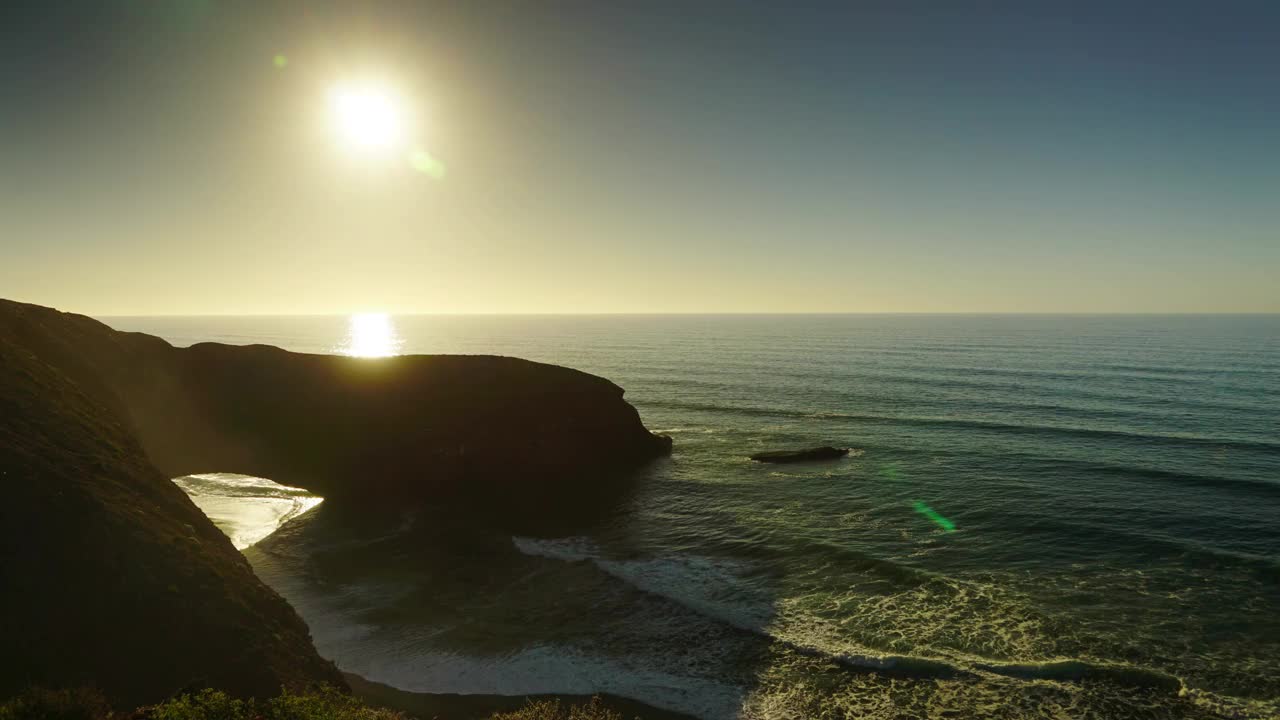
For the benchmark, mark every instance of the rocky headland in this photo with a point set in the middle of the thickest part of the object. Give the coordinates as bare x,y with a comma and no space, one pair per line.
113,578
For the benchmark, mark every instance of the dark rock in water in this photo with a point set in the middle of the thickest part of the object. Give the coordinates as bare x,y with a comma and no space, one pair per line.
790,456
113,578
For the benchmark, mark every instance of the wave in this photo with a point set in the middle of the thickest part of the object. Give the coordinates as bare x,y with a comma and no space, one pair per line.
1073,534
1081,670
1168,476
236,485
988,403
1184,370
543,669
1123,390
1061,670
247,509
669,579
976,424
1040,463
676,583
976,377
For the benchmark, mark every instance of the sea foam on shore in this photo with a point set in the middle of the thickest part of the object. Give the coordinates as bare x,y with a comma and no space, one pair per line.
244,507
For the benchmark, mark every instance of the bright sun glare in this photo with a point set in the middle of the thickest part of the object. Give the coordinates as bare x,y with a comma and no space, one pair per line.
366,116
371,335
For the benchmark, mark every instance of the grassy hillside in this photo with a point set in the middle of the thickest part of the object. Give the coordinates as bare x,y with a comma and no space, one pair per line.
216,705
112,577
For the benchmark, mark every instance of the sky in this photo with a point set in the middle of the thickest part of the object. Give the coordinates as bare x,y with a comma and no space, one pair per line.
182,157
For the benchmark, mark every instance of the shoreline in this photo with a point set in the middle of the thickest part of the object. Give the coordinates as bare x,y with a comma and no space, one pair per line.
449,706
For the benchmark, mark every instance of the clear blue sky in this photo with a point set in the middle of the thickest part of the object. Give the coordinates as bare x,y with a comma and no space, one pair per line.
647,157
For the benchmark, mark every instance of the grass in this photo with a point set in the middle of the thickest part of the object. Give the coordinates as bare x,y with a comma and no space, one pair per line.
326,704
217,705
554,710
41,704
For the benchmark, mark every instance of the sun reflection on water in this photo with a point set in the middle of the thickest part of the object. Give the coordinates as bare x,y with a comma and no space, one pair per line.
371,335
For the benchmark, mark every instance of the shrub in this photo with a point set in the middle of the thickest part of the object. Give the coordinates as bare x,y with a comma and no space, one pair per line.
553,710
324,704
206,705
41,704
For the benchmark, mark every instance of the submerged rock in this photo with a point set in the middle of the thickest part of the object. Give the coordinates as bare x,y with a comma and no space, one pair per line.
789,456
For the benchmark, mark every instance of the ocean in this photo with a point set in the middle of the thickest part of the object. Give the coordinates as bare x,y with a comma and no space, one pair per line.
1041,517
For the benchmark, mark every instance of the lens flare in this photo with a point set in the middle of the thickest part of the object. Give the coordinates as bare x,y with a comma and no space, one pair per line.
423,162
925,510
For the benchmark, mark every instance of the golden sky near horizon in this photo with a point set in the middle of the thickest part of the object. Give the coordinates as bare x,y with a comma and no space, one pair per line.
249,159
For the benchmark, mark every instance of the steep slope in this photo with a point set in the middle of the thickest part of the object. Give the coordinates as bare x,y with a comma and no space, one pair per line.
111,576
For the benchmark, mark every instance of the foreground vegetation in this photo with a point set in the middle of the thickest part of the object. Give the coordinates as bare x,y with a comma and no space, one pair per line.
325,704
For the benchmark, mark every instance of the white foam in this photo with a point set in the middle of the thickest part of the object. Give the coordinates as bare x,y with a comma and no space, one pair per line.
711,586
244,507
574,549
541,669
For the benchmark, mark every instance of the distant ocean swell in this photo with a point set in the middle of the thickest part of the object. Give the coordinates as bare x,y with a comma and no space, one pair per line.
992,377
1272,448
1242,398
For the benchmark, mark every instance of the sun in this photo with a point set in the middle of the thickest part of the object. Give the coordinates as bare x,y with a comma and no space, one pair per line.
366,116
371,335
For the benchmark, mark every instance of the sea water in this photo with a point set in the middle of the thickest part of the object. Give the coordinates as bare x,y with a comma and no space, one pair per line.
245,507
1066,516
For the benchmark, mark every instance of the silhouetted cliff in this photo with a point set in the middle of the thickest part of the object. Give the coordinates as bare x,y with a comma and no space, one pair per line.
400,428
113,577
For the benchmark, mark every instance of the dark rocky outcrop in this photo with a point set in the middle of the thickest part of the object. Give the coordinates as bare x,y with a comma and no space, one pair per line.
790,456
111,576
401,428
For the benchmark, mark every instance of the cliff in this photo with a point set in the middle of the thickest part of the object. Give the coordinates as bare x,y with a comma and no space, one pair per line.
112,577
412,427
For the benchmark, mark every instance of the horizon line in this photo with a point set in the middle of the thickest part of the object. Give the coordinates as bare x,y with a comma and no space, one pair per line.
798,313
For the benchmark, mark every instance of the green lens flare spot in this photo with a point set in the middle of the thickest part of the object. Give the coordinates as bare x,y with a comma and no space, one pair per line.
925,510
280,61
889,472
424,163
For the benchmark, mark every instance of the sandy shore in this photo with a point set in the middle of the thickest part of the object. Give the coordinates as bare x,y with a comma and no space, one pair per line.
427,706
